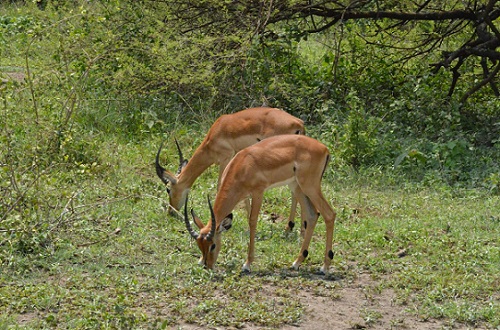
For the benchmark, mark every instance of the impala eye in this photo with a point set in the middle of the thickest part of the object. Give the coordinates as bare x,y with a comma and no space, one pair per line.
212,247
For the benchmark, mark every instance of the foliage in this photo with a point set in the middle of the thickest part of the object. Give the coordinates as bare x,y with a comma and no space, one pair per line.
89,90
411,30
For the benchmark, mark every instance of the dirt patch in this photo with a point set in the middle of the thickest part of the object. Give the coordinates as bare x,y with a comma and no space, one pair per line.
360,306
15,76
27,318
355,309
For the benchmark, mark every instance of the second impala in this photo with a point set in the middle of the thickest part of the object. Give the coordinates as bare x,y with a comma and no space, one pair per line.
294,160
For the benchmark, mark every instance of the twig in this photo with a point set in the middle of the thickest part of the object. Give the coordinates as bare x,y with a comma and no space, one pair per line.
482,83
65,210
21,197
107,238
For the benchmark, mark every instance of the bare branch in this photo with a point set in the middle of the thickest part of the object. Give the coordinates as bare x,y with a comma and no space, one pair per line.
456,75
481,84
450,18
486,73
324,27
402,16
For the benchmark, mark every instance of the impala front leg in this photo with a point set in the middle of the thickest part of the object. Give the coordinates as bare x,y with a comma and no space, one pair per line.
252,222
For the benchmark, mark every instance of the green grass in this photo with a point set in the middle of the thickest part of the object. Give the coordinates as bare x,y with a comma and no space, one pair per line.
115,260
85,241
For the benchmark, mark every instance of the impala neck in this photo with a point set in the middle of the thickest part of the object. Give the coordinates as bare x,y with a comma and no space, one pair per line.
226,201
198,163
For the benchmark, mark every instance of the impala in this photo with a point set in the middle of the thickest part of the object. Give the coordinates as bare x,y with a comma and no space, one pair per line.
228,135
295,160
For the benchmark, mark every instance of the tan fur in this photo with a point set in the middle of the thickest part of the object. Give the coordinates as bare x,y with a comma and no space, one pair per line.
228,135
295,160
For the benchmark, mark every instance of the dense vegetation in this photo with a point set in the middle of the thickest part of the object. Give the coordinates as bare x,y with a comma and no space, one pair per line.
89,90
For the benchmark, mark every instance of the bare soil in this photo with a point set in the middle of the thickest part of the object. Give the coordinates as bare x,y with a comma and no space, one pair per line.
15,76
359,306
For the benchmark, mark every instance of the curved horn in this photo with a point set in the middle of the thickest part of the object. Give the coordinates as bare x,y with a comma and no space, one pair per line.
188,224
214,223
159,169
182,161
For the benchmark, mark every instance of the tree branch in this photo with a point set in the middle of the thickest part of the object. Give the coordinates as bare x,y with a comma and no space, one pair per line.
324,27
352,15
481,84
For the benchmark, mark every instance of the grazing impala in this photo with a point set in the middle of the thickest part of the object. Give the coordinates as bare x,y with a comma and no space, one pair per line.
296,160
228,135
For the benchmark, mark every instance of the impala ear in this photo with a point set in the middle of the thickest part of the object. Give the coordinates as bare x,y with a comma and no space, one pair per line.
226,223
162,173
167,177
182,162
197,220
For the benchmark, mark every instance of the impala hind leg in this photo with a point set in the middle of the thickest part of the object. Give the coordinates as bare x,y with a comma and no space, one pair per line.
329,215
309,217
291,218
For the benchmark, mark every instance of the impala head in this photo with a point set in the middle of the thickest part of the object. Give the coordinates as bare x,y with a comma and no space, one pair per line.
176,194
209,238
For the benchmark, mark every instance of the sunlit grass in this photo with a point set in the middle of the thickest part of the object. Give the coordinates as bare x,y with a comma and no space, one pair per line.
124,262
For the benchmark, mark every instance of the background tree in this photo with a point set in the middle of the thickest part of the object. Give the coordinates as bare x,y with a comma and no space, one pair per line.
375,79
438,22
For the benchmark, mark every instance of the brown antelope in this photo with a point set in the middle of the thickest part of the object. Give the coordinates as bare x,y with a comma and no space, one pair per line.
295,160
228,135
